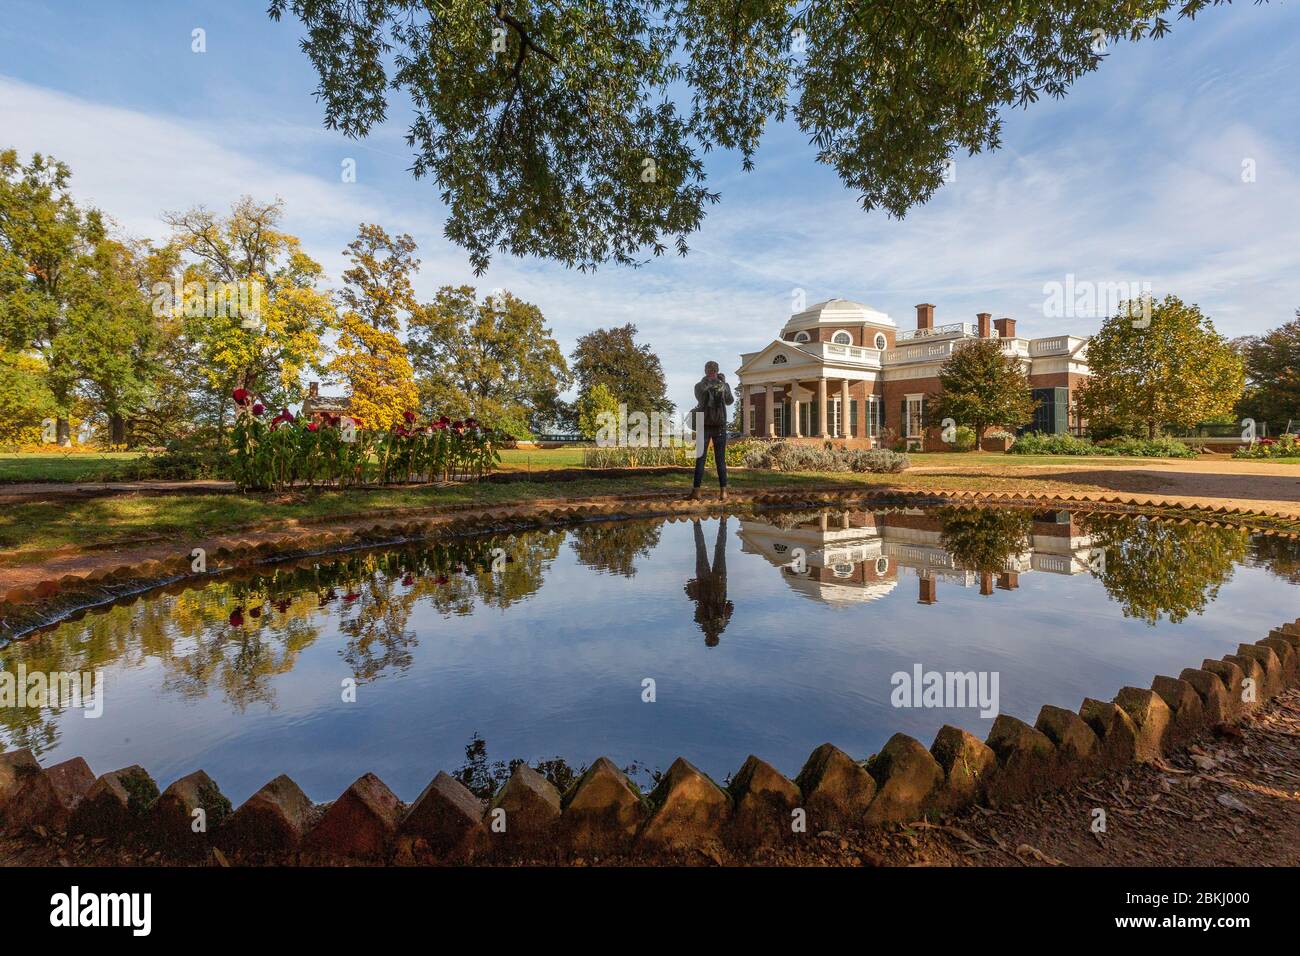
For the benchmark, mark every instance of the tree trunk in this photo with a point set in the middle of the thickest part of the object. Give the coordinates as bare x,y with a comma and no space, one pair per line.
117,429
62,432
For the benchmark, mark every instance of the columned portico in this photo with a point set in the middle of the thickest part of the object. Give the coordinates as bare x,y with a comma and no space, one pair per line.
832,356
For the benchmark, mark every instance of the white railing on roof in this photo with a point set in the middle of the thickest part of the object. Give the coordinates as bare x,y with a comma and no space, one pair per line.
949,328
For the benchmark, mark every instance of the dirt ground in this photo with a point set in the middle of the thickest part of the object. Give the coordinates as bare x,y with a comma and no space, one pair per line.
1204,482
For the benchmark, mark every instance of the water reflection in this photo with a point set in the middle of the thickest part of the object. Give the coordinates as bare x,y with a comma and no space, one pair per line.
708,589
1152,568
251,643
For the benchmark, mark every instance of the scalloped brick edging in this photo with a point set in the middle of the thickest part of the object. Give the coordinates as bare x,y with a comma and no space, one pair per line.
604,812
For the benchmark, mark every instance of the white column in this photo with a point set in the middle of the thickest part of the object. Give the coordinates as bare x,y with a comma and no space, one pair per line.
845,408
821,407
794,410
769,411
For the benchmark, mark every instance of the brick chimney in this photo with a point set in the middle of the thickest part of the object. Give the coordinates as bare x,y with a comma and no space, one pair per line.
924,316
985,323
929,590
986,583
1006,327
313,389
1009,580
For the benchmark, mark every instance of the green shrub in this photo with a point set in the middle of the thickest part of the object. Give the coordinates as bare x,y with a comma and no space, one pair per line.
172,465
876,460
1033,443
965,438
1145,448
793,456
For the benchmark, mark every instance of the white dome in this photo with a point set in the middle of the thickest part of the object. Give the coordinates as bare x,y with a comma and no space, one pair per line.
837,312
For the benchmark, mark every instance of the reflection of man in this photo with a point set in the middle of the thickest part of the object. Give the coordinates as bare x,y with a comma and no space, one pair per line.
708,589
712,396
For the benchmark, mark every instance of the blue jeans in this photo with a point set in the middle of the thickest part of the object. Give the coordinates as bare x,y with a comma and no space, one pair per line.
719,439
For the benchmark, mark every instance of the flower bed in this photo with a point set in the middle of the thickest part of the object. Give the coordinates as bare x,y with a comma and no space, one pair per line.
336,450
1288,446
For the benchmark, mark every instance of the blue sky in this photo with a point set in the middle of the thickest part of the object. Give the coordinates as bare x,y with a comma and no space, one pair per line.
1136,176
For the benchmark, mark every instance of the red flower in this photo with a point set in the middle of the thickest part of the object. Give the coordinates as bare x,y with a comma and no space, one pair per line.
241,396
408,580
258,409
440,425
313,427
237,617
409,416
471,423
285,416
351,596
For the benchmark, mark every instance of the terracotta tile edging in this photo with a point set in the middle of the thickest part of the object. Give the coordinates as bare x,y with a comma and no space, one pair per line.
528,819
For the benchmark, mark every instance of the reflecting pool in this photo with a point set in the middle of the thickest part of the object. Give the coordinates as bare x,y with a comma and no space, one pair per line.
764,633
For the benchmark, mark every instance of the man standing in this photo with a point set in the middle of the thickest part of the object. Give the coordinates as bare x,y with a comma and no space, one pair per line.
712,396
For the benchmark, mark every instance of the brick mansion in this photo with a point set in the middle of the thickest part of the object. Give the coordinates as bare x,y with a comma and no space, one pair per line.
840,369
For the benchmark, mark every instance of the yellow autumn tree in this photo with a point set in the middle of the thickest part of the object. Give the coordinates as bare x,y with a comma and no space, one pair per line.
248,300
370,357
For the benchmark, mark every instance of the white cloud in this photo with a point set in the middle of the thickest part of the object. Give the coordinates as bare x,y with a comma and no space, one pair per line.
1151,194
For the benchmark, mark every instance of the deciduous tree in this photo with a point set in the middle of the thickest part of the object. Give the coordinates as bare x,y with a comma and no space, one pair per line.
1272,364
376,298
631,371
575,130
982,387
1158,365
266,345
495,360
43,233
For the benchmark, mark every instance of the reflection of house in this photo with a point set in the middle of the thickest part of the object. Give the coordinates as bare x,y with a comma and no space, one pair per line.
841,369
857,556
316,406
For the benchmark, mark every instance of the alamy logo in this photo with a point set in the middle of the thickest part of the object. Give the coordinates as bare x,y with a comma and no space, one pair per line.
62,689
1084,299
622,429
74,908
212,300
946,689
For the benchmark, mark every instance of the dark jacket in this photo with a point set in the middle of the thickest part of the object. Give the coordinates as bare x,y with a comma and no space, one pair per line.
712,398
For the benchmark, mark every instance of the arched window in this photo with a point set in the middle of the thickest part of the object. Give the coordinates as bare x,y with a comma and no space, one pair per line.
779,360
881,341
842,338
882,565
802,337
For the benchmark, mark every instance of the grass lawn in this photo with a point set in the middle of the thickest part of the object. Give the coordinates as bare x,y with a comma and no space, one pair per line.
39,526
36,527
79,466
536,459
